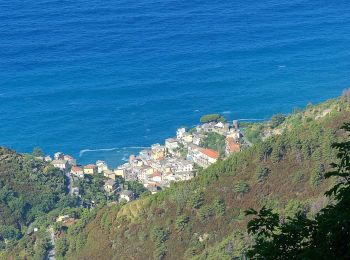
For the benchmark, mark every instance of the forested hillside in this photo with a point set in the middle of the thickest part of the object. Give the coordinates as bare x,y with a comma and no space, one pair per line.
28,190
204,218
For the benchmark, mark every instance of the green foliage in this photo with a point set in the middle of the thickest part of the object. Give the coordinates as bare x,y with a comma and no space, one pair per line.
197,200
298,177
37,152
299,146
212,118
181,222
295,207
214,141
219,207
160,236
61,248
241,188
277,120
206,212
137,188
325,237
261,173
317,176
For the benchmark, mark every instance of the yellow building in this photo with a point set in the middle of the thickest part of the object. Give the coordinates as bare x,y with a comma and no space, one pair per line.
119,172
90,169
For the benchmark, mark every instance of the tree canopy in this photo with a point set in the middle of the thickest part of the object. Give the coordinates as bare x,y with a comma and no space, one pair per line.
212,118
327,236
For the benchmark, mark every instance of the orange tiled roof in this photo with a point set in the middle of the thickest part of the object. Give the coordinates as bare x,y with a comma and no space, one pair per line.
211,153
76,169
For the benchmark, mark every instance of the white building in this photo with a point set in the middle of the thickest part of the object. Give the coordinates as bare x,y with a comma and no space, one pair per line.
171,144
101,166
59,156
126,195
180,133
61,164
205,157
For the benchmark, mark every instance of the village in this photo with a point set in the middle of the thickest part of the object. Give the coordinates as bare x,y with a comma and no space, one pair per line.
178,159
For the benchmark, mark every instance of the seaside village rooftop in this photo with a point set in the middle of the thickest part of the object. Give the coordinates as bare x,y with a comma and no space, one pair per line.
157,167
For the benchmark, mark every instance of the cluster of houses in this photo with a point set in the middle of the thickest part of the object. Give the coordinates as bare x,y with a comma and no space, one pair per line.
160,165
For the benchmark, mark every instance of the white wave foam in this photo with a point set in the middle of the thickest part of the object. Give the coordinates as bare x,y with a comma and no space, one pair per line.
81,153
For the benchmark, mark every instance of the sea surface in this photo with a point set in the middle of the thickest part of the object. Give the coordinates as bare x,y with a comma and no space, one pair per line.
100,79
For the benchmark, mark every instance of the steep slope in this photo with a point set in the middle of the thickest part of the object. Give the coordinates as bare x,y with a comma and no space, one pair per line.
203,218
28,190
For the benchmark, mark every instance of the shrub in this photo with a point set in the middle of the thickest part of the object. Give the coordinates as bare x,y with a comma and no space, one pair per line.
206,212
241,188
181,222
298,177
277,120
197,199
317,177
261,173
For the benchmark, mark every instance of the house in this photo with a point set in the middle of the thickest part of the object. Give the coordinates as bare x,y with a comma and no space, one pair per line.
119,172
211,155
205,157
70,159
77,171
90,169
187,138
109,174
232,146
127,195
61,164
196,139
171,144
59,156
48,158
109,185
157,176
101,166
158,152
180,133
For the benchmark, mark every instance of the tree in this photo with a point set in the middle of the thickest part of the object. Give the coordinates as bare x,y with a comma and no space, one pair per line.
317,175
215,142
212,118
277,120
327,236
197,200
261,173
37,152
181,222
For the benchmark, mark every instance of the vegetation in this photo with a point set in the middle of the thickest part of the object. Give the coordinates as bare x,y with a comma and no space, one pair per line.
204,218
198,219
212,118
29,189
324,237
277,120
214,141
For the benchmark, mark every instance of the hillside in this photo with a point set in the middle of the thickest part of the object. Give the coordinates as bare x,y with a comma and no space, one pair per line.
203,218
29,189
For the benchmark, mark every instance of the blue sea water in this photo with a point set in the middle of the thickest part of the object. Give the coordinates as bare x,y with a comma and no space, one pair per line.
88,75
